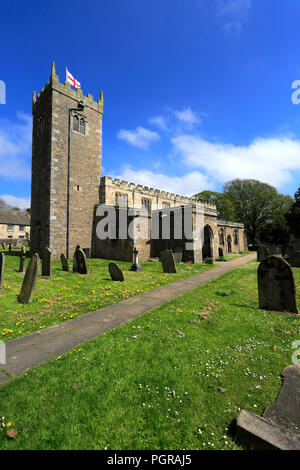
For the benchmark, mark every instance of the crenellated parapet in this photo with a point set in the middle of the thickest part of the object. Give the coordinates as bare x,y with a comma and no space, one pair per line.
65,89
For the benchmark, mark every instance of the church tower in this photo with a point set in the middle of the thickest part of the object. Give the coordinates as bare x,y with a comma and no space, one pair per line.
66,167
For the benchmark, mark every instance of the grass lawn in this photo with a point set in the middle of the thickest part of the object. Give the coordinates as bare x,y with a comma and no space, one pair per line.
68,295
173,378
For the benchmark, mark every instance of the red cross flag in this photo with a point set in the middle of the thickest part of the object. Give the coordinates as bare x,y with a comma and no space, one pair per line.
69,78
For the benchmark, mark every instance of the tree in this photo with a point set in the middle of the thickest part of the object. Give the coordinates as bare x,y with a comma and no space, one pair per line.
293,216
258,206
276,230
3,204
224,205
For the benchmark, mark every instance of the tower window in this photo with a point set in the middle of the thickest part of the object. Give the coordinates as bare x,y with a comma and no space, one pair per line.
76,123
146,204
82,126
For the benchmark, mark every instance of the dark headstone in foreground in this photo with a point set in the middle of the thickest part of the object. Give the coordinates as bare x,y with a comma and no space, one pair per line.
2,264
276,285
81,261
115,272
262,252
294,259
22,259
75,269
47,263
64,262
168,261
29,280
279,428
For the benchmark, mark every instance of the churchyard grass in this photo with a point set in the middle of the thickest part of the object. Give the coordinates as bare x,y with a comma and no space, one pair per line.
174,378
68,295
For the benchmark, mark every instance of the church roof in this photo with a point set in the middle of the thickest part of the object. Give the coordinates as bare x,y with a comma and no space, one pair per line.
14,217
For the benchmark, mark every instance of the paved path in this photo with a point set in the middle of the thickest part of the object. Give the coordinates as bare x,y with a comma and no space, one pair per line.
28,351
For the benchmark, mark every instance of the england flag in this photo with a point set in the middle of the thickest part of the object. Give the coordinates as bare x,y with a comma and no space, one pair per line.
69,78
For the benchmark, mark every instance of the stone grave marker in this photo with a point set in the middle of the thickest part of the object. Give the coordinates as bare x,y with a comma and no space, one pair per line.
75,269
178,254
294,259
29,280
47,263
115,272
22,259
81,261
135,264
2,264
64,262
276,285
9,248
262,252
168,262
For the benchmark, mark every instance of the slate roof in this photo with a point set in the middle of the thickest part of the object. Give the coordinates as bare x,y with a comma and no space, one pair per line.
14,217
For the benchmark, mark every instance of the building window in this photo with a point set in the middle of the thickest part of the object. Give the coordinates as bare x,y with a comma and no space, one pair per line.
121,200
221,237
235,237
10,228
165,205
21,228
146,204
82,126
76,123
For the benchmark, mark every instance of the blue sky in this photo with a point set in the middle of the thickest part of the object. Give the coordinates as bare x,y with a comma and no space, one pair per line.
196,92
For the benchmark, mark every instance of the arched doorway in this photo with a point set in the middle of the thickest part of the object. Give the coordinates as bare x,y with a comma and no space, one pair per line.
207,251
229,244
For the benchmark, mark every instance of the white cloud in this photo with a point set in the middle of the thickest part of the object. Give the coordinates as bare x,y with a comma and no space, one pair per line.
185,185
158,121
235,12
270,160
141,137
15,147
187,116
14,201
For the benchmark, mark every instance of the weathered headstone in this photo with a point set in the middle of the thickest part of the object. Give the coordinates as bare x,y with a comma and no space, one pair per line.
178,254
2,264
47,263
3,246
168,261
29,280
135,265
276,285
22,259
81,261
115,272
75,269
64,262
9,248
294,259
262,252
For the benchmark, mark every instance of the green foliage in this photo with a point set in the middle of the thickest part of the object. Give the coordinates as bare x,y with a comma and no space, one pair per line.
209,261
225,207
293,216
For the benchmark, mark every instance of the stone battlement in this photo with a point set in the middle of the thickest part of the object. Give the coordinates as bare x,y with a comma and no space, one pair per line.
126,186
65,89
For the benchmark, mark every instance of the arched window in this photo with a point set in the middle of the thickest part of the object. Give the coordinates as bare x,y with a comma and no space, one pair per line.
235,237
82,126
76,123
221,237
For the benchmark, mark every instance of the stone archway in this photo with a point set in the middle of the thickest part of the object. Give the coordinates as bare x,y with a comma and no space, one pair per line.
229,244
207,249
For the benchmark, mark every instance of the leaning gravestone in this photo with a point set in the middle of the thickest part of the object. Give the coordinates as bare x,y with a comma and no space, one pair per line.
294,259
178,254
47,263
2,264
81,261
64,262
168,261
29,280
276,285
75,269
115,272
22,259
262,252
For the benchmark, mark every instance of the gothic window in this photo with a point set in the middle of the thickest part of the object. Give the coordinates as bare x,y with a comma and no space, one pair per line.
165,205
76,123
121,200
146,204
82,126
235,237
221,237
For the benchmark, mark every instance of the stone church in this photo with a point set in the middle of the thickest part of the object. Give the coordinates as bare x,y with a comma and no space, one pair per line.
68,188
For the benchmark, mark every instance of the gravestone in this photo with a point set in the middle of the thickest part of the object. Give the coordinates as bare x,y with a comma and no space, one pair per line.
168,261
2,264
221,253
64,262
9,248
178,254
294,259
262,252
81,261
135,265
47,263
22,259
290,250
115,272
29,280
3,246
75,269
276,285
